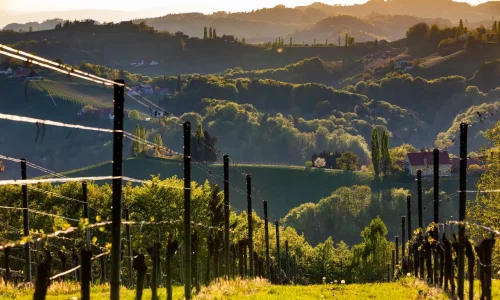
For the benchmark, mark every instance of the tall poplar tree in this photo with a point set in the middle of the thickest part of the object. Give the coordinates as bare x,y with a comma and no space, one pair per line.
136,149
205,33
376,156
384,149
144,138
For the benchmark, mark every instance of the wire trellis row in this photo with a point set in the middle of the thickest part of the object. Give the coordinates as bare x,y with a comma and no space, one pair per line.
38,238
71,71
117,175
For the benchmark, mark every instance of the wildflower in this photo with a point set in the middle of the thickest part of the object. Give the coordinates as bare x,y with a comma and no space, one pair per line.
324,280
335,281
343,281
408,274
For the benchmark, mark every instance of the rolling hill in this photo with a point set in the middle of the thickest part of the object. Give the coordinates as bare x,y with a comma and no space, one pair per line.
285,187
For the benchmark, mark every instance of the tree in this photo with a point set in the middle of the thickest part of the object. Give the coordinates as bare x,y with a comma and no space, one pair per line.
183,44
351,41
199,146
144,137
375,149
494,29
384,151
210,149
214,34
205,33
134,115
371,257
398,155
346,39
210,33
326,43
320,162
348,161
136,148
243,41
31,29
417,33
291,42
484,210
314,42
158,140
158,143
339,40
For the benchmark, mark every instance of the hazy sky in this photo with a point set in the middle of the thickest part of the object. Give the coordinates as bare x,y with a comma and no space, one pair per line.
174,6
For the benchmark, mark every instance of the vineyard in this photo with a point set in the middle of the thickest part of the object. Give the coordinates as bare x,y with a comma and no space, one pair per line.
153,236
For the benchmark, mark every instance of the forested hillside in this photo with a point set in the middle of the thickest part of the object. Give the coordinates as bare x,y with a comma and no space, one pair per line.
317,91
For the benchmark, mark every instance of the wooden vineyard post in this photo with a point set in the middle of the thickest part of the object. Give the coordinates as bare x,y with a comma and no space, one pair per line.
393,265
462,207
26,223
278,256
141,268
6,261
250,226
226,219
410,233
266,233
86,273
42,278
187,210
62,257
436,212
116,213
397,250
403,244
287,264
172,247
74,258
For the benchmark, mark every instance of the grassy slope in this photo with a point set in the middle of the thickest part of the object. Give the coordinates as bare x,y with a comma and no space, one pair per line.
284,186
64,291
260,290
63,105
199,56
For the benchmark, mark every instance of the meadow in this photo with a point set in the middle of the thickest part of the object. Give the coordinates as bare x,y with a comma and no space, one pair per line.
257,289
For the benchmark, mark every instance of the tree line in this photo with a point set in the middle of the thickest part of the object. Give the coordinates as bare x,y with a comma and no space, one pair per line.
160,200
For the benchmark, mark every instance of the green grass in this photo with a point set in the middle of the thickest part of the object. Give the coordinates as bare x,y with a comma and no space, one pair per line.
257,289
65,291
285,187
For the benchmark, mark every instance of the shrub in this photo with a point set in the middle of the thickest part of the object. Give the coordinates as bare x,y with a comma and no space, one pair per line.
475,168
134,115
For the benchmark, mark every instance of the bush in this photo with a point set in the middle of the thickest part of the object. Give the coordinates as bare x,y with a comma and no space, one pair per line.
134,115
475,168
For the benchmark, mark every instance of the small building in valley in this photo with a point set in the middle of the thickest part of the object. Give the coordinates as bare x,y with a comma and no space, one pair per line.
425,161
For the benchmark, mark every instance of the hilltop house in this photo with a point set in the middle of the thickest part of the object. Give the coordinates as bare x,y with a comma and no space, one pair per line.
425,161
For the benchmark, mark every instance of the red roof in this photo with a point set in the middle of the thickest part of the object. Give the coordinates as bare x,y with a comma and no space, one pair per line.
417,159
